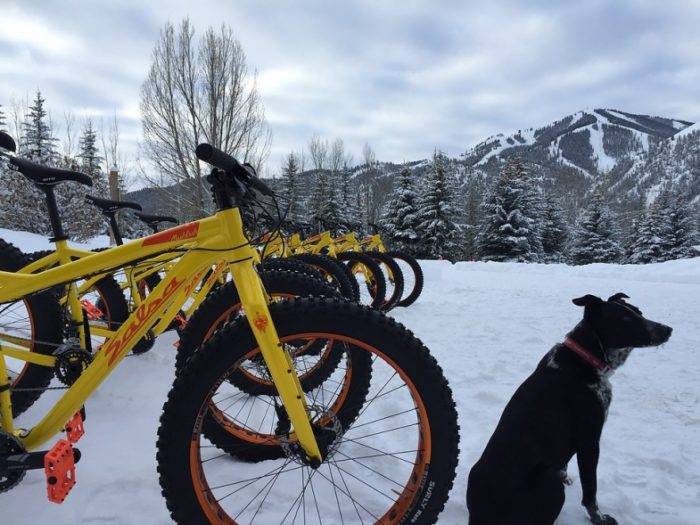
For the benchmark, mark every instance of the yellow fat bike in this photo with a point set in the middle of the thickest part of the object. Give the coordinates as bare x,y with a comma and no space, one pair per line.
379,444
363,272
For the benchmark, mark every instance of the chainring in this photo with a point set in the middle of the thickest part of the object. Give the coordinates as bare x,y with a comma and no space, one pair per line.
10,445
70,363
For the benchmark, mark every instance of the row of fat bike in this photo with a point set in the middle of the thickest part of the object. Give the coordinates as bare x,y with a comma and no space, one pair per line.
296,399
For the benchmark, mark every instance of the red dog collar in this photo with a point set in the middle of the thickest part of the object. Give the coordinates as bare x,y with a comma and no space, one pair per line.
585,355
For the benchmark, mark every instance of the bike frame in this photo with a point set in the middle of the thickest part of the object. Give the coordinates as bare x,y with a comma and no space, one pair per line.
200,245
134,275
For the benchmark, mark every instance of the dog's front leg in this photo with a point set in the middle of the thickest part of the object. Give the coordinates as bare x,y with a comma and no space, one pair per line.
587,457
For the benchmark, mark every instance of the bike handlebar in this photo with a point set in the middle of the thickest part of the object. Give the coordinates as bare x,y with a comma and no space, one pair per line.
230,165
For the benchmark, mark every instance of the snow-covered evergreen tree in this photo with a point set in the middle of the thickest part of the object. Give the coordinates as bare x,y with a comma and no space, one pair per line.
595,236
680,228
510,227
290,187
401,219
474,195
22,206
38,143
648,245
329,209
319,193
81,220
348,196
438,234
554,229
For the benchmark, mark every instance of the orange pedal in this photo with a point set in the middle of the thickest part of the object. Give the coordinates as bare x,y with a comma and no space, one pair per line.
59,466
75,428
93,312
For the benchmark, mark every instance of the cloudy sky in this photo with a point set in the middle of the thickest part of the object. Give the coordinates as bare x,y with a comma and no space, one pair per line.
405,76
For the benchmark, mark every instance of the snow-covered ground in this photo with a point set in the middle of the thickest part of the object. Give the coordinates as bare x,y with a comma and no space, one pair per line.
488,324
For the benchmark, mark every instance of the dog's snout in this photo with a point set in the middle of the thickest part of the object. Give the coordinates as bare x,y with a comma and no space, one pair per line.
660,332
666,332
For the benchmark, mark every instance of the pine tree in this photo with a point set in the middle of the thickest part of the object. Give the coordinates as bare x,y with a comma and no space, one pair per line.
329,209
22,206
400,219
595,236
474,194
438,235
319,193
83,221
290,187
648,245
680,229
38,143
554,229
348,197
510,228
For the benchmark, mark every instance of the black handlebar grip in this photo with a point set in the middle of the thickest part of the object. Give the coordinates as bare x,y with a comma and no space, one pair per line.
7,142
218,158
229,164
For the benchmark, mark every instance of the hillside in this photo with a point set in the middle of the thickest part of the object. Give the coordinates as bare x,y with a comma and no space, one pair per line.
628,154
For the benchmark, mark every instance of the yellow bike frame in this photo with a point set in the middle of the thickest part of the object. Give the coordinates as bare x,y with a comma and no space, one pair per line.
134,275
204,243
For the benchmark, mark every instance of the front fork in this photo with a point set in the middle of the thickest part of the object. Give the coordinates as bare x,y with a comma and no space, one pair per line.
255,305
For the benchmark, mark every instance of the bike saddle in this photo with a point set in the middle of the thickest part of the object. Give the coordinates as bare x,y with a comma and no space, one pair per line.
45,176
155,220
110,206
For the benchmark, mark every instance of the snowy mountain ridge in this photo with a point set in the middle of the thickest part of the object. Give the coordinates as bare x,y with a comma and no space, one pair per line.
591,141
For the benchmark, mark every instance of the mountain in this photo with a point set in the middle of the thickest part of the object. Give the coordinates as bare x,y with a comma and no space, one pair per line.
603,147
628,155
593,142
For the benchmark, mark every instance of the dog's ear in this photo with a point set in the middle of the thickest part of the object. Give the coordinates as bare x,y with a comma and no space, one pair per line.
587,300
618,296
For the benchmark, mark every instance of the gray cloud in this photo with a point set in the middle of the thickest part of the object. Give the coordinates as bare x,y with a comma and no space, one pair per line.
403,76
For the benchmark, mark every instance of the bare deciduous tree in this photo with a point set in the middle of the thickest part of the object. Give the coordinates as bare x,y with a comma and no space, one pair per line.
318,151
336,156
71,133
200,91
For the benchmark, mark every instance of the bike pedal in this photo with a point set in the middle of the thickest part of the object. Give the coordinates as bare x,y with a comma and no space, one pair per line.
93,312
75,428
59,467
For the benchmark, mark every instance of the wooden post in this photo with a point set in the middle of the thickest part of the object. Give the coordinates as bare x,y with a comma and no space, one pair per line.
113,193
114,183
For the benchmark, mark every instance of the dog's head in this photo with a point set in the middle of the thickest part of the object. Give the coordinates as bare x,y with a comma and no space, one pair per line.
619,324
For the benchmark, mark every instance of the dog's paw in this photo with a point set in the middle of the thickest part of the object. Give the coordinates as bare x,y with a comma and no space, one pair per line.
603,519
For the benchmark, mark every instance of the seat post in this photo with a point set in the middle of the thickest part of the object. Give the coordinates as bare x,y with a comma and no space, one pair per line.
54,216
114,226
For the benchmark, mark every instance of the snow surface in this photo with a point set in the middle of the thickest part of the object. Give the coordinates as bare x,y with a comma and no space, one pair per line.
488,324
687,131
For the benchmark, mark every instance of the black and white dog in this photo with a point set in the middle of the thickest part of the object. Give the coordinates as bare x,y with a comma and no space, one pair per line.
557,412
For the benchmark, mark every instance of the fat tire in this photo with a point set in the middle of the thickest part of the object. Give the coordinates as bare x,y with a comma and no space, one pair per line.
397,279
46,314
222,301
412,295
352,259
291,265
299,316
329,267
